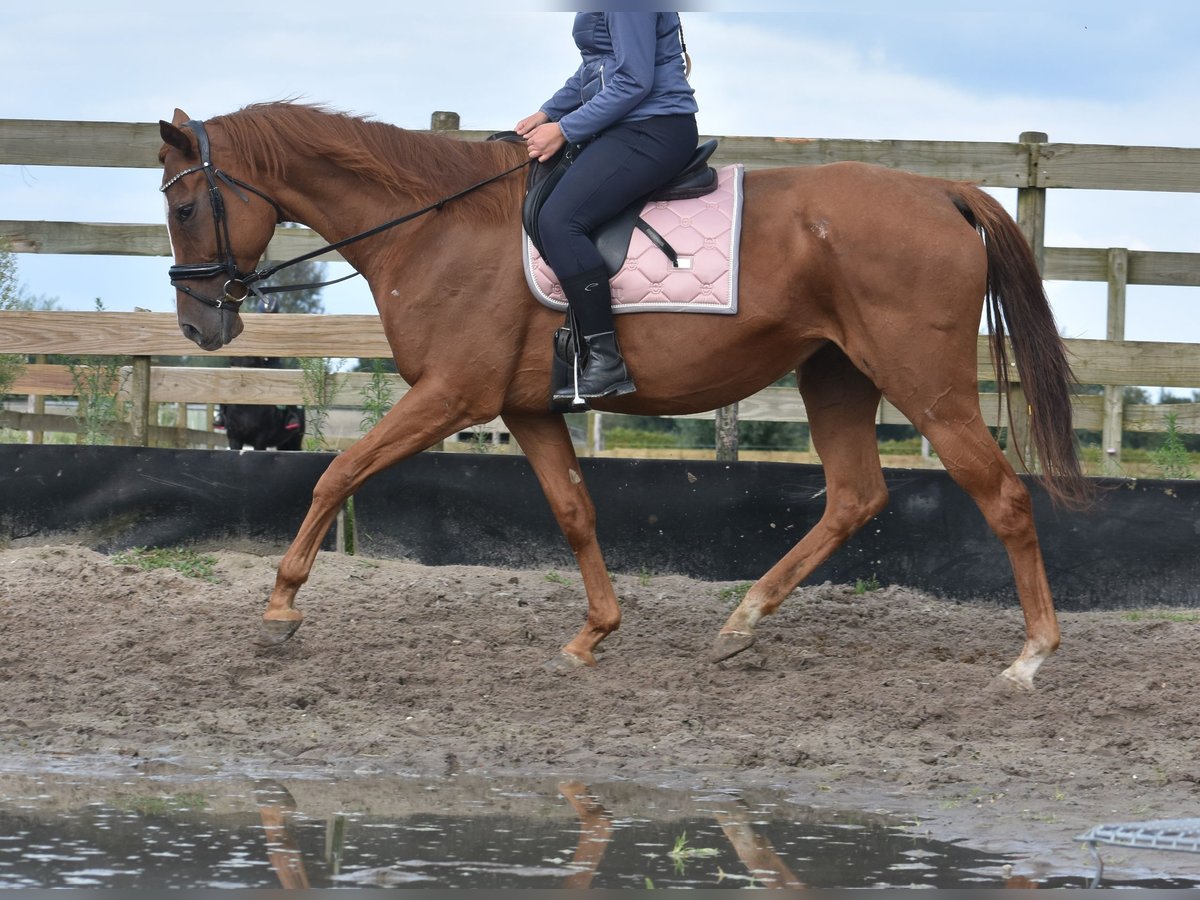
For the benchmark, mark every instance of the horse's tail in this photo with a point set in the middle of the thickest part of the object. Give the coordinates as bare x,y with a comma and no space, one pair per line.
1016,296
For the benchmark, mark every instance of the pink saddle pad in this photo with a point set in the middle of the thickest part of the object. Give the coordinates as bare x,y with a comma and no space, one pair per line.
705,234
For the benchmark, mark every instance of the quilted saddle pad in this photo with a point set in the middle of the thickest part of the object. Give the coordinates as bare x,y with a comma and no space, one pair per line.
704,232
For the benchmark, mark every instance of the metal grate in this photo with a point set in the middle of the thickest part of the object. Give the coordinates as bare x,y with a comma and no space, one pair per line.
1161,834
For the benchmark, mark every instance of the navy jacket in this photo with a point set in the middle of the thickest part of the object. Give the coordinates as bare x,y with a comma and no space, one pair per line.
632,69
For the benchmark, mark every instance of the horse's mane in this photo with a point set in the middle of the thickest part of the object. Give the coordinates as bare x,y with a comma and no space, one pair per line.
421,168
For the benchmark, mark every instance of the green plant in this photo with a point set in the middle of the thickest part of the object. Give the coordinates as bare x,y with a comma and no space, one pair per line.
1164,615
683,851
377,397
350,527
637,438
555,578
904,447
481,440
186,562
11,364
733,594
98,385
161,806
751,881
318,385
866,585
1172,457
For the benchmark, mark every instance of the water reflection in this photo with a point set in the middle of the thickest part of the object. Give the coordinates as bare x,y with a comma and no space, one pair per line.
462,831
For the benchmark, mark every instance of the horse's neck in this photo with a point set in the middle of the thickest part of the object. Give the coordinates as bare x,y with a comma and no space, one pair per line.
336,205
339,203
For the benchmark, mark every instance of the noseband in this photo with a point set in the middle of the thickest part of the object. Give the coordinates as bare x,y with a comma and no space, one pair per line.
238,285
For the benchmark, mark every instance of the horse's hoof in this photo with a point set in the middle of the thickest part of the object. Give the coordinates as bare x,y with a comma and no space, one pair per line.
565,663
730,643
1009,685
273,632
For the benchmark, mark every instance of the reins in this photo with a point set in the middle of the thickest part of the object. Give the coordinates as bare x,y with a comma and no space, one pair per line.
240,284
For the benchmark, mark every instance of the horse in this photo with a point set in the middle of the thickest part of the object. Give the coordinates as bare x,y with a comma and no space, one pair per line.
864,281
259,425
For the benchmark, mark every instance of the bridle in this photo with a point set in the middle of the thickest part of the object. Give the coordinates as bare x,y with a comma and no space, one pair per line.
240,285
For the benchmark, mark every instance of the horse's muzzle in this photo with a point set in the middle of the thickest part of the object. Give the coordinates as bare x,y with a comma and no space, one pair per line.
229,327
194,335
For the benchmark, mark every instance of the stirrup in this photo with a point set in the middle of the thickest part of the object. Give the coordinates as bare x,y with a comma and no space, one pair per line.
576,370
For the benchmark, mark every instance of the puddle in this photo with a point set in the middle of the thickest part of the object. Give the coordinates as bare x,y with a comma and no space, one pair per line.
168,831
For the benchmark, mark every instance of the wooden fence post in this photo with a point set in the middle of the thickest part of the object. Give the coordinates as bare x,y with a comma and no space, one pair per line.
1031,217
441,120
139,410
181,426
595,432
39,407
726,425
1114,394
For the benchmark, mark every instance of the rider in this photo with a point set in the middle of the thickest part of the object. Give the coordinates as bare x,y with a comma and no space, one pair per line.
630,106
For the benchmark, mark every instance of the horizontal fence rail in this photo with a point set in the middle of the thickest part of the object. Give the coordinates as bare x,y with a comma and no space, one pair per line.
338,336
1020,164
144,334
1032,165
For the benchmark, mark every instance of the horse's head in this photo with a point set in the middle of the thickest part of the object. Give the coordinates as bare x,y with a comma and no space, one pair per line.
218,231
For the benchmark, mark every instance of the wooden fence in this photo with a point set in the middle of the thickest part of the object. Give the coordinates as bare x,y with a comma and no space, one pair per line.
1032,165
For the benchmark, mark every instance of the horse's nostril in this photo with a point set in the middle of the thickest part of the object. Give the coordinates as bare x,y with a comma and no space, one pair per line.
191,333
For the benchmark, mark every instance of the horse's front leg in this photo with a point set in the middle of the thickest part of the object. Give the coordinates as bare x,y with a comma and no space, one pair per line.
547,445
420,419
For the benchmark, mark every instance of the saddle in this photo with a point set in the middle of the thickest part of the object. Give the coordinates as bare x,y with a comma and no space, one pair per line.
696,179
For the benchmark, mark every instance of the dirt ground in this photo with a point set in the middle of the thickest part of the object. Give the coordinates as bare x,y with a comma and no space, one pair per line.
879,700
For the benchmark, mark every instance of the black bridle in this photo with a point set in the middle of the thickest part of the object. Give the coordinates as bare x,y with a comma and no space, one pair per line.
239,285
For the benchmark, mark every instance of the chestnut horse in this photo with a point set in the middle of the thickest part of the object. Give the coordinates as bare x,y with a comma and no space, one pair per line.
864,281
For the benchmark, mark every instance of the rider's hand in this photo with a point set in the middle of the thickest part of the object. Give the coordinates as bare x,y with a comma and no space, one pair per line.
529,123
544,141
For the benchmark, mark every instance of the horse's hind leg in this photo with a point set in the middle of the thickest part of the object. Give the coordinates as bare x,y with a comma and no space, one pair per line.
954,426
547,444
841,404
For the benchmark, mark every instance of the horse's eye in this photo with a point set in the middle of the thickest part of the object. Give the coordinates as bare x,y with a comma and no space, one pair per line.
185,212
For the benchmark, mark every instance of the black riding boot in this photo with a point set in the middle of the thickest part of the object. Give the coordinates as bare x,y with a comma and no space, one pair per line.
603,372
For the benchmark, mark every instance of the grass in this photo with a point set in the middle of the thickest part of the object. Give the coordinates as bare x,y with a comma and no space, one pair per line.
683,851
1172,457
162,806
734,594
186,562
1165,615
866,585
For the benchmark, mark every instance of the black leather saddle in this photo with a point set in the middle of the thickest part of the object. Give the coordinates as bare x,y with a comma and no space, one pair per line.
696,179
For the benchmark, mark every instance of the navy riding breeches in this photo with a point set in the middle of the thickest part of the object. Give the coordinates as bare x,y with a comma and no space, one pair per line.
625,162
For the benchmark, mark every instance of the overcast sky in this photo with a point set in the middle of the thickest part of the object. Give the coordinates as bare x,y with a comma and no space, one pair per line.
1083,72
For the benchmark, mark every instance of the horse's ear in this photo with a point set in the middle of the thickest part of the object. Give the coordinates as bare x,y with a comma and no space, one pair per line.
175,137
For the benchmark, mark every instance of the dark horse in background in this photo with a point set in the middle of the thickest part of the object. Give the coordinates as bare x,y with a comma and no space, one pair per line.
258,425
864,281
